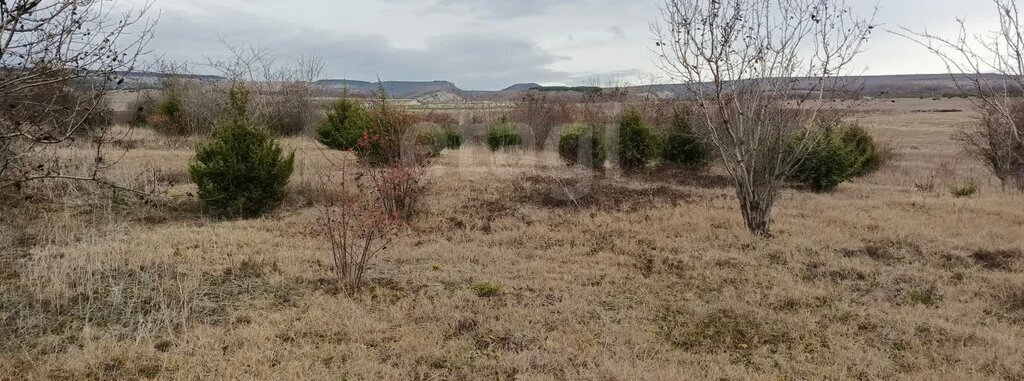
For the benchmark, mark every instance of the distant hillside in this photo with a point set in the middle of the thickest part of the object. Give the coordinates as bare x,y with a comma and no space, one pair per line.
918,85
148,80
890,86
573,89
925,85
397,89
522,87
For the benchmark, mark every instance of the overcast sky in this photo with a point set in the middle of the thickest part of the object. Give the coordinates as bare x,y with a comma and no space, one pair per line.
491,44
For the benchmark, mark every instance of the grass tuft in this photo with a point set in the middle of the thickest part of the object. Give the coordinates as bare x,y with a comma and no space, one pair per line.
486,290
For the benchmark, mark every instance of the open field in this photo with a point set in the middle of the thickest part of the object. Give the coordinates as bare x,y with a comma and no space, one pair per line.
645,277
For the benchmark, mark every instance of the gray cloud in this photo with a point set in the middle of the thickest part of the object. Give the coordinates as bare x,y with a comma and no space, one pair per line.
488,44
499,8
471,60
513,9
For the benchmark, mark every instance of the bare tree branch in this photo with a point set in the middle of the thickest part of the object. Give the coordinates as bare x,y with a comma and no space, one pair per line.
989,69
58,59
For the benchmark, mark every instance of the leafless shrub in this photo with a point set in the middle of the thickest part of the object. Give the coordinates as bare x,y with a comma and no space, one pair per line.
542,113
282,98
992,142
439,118
657,112
598,113
358,227
282,94
741,61
926,185
400,190
58,59
290,109
199,106
989,70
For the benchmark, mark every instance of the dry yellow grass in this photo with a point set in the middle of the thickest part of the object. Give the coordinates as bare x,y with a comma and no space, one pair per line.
643,278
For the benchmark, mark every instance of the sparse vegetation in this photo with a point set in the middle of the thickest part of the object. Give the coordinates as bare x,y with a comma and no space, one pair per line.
637,144
503,135
359,226
169,116
986,69
431,142
682,145
965,189
436,140
486,289
49,50
542,113
186,106
400,190
141,109
241,171
719,331
995,141
584,145
289,110
346,123
926,297
869,155
827,162
388,140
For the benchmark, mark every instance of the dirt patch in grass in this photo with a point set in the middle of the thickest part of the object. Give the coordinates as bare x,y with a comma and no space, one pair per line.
502,341
940,110
465,325
890,252
722,330
686,177
1004,260
480,216
820,271
598,194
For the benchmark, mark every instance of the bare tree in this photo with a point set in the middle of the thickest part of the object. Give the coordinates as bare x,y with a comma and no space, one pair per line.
58,58
759,71
283,94
359,227
989,69
994,142
542,114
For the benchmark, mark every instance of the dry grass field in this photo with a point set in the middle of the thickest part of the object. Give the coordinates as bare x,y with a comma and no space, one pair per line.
645,277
